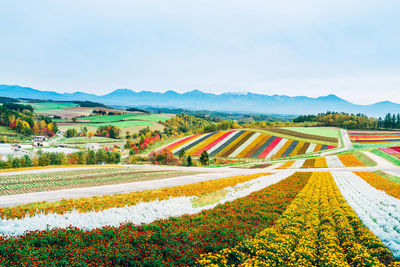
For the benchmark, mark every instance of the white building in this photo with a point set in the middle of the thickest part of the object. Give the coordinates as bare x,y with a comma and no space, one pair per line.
40,140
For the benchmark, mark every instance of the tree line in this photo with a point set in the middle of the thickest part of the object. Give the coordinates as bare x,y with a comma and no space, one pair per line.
88,157
21,119
351,121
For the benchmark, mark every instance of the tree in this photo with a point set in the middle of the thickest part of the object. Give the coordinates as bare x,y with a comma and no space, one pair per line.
182,153
189,161
204,158
101,156
91,157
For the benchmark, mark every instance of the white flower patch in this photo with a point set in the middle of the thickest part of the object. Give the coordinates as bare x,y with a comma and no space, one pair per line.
144,212
334,162
376,209
297,164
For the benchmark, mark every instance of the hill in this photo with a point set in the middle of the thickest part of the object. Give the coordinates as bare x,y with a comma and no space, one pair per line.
231,102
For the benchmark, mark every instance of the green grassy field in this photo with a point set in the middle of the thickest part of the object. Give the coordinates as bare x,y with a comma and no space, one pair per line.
321,131
7,131
126,122
46,106
364,159
386,156
375,145
122,124
85,140
388,176
126,117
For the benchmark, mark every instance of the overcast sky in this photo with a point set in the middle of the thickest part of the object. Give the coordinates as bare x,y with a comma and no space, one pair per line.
309,47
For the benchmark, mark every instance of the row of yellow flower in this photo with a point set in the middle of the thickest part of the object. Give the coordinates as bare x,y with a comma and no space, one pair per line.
287,164
121,200
318,229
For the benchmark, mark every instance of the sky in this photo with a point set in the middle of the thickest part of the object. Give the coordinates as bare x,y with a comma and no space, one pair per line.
309,47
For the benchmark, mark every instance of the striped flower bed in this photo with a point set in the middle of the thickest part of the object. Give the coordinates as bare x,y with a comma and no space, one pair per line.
341,161
374,136
394,151
244,144
318,229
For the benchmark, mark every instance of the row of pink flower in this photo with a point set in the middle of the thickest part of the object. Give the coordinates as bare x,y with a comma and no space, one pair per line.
391,150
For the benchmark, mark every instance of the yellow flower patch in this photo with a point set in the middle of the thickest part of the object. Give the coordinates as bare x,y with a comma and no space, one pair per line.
318,229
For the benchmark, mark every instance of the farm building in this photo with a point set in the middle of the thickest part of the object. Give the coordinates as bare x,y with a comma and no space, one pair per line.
40,140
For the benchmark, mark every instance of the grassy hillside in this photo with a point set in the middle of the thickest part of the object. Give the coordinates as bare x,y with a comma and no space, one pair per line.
321,131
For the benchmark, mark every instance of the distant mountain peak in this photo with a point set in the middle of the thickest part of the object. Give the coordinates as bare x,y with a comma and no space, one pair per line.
226,102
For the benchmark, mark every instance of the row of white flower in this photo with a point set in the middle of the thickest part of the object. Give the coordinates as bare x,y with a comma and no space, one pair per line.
377,210
145,212
334,162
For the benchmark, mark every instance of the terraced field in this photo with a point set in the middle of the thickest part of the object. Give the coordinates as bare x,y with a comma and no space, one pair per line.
244,144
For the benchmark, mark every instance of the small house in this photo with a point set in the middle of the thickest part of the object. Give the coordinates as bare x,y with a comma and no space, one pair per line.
40,140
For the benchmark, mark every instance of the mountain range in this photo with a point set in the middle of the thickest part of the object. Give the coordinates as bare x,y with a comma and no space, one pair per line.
196,99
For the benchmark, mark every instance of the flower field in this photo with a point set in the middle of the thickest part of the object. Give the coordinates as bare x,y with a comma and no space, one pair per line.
341,161
89,204
389,187
394,151
244,144
374,136
377,210
285,219
318,229
173,241
26,183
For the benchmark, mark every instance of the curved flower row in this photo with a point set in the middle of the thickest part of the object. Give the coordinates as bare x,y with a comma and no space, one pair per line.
143,212
89,204
391,188
171,242
377,210
317,229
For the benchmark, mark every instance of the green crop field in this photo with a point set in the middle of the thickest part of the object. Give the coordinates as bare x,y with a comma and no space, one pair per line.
46,106
7,131
125,117
322,131
123,124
